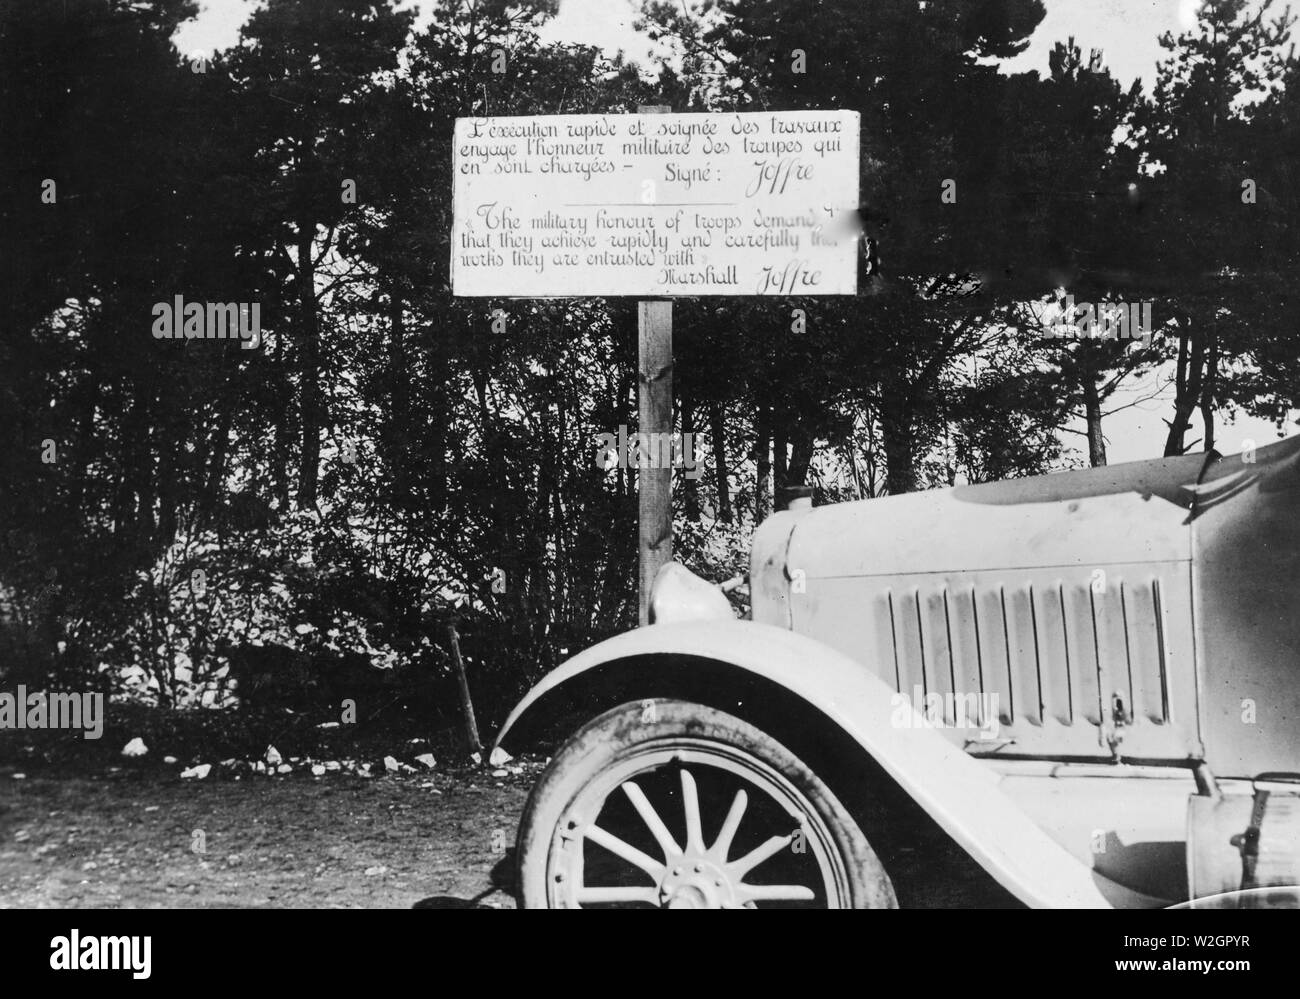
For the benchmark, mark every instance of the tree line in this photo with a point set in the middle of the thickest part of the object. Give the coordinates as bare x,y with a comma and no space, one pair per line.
392,457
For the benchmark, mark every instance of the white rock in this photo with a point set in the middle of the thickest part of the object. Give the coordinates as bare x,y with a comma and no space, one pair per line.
390,764
273,757
372,871
135,747
476,759
20,776
89,865
169,759
333,765
259,767
317,769
499,757
201,771
500,773
284,768
427,759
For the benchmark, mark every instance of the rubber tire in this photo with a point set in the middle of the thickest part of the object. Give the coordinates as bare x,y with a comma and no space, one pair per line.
606,738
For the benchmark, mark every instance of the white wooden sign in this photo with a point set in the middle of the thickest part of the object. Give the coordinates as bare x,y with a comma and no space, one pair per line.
759,203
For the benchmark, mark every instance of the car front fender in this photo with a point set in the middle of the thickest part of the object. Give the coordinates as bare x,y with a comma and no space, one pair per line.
958,792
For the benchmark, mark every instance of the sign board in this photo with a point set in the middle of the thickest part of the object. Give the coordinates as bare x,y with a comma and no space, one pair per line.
759,203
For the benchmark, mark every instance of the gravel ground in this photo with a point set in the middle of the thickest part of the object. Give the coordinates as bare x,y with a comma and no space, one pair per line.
124,839
440,840
85,826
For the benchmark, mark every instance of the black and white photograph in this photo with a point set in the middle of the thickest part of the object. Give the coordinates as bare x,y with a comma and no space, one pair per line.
687,454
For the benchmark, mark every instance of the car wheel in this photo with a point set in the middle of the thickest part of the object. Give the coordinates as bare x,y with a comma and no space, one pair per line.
669,804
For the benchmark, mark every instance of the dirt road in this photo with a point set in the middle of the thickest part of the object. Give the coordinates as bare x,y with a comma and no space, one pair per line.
132,838
335,841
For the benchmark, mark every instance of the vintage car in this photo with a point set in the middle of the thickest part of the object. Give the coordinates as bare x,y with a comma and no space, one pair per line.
1085,684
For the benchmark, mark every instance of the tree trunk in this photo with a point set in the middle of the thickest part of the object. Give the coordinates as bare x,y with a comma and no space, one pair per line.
1210,389
87,406
214,477
690,487
168,488
283,432
780,450
438,392
763,462
896,428
1187,391
720,469
1092,414
801,454
399,421
309,346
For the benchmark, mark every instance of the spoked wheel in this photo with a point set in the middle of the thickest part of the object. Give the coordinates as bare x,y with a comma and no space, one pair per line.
674,805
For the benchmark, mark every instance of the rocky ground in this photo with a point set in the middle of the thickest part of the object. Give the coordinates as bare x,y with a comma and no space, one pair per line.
211,809
127,839
329,817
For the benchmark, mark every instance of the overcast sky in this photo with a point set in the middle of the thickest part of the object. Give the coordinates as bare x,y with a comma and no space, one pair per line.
1127,32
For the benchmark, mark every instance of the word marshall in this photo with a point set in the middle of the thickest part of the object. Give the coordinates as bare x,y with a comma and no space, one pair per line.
78,953
41,710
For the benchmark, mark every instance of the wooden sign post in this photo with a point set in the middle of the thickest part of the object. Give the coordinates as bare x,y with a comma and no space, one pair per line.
462,689
654,416
655,205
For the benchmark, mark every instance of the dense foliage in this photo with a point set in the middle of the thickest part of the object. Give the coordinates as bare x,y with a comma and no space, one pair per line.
175,514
